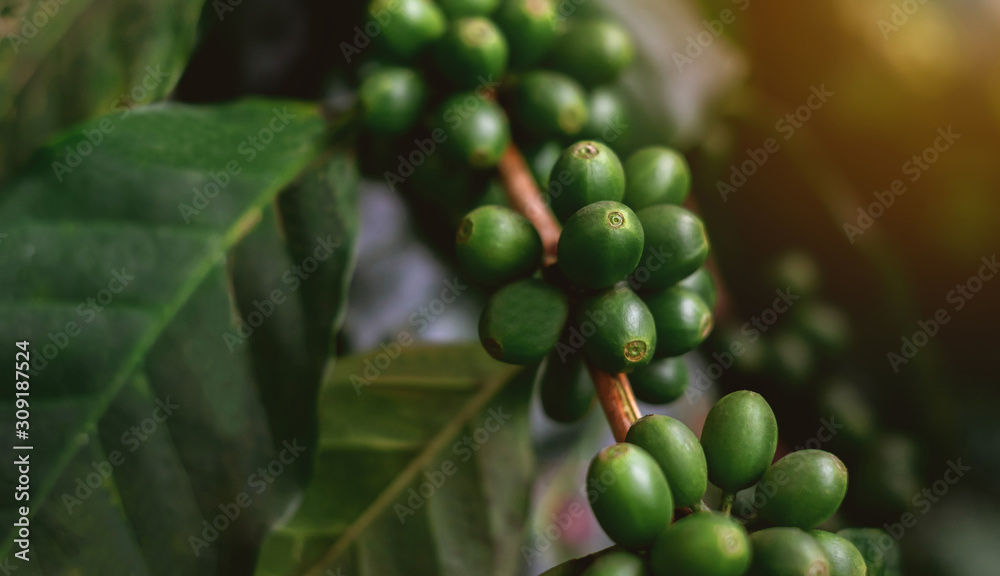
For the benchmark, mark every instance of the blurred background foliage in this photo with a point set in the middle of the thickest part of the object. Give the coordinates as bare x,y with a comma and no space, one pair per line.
898,72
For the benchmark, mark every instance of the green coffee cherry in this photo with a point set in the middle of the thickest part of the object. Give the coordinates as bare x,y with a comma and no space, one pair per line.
541,159
522,321
787,552
803,489
391,100
877,547
407,26
593,52
549,104
530,27
661,381
796,271
475,130
566,390
675,241
591,173
844,558
823,325
656,175
617,563
608,119
683,320
676,449
472,52
496,244
702,284
618,330
702,544
740,436
463,8
629,495
600,245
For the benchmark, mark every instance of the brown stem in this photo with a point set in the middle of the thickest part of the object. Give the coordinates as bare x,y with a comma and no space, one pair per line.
613,390
523,196
615,395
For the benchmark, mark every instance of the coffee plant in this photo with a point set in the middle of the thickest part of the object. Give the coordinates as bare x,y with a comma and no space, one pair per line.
205,210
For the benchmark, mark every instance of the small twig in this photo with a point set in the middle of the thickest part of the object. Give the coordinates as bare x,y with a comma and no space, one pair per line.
615,395
523,196
728,499
613,390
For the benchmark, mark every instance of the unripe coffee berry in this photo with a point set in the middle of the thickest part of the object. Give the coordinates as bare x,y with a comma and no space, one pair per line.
475,130
617,330
683,320
676,449
472,51
600,245
787,552
549,104
391,99
522,321
803,489
675,241
495,244
740,436
630,496
594,52
661,381
590,172
702,544
656,175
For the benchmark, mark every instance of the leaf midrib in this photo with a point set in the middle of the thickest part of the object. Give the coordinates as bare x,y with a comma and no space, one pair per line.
209,260
438,442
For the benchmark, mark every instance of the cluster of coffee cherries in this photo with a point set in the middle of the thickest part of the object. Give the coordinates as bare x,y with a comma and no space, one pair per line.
627,294
636,487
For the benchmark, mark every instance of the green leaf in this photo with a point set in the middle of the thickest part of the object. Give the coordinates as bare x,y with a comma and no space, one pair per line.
424,467
117,277
290,279
64,61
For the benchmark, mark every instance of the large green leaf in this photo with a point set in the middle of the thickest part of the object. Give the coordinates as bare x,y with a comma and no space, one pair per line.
64,61
294,268
117,277
424,467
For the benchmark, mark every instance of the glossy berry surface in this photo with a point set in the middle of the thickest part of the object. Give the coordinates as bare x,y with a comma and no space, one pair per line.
701,283
608,120
656,175
594,52
676,242
617,563
495,244
683,320
629,495
617,329
803,489
476,130
676,449
407,26
530,26
391,99
661,381
740,436
472,53
522,321
600,245
591,172
550,105
787,552
702,544
844,558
